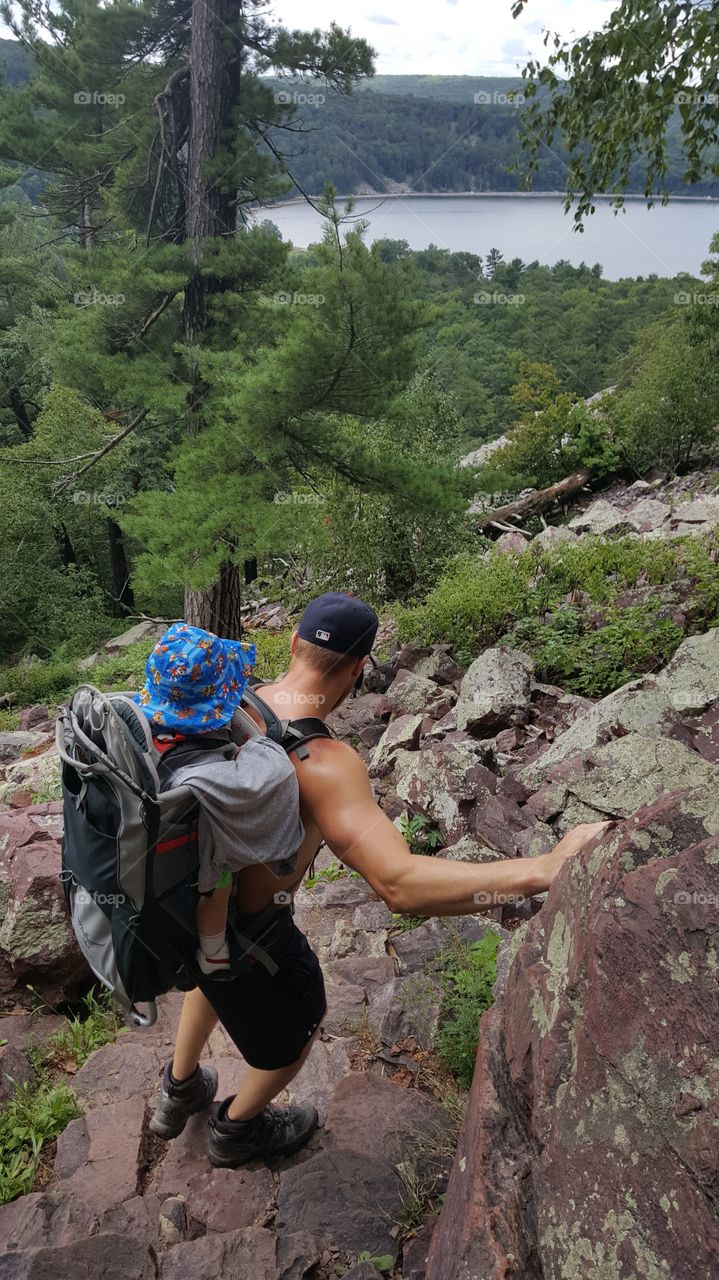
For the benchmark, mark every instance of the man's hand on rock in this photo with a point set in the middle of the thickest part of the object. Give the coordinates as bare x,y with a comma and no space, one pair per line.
574,841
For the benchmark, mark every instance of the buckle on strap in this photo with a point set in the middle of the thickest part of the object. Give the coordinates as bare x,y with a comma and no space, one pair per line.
257,952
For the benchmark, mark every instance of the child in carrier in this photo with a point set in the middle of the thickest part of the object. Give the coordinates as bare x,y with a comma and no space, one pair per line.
194,685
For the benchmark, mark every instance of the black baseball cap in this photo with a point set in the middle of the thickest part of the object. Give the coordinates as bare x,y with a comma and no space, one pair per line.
339,622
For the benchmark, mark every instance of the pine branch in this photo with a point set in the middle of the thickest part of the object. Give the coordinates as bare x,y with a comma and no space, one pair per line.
101,453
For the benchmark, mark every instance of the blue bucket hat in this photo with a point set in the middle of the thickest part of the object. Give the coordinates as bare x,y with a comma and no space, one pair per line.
194,680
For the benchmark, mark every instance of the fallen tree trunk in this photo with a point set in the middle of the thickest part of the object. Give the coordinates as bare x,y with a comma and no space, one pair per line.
534,502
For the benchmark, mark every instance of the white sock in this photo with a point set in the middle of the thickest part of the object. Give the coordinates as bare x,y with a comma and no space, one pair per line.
214,946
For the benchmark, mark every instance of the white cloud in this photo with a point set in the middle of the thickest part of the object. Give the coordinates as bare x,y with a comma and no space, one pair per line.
477,38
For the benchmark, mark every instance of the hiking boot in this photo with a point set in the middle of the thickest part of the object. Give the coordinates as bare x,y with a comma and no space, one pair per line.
178,1102
274,1132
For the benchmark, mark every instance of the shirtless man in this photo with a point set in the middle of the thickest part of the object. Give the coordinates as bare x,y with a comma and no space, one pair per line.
273,1020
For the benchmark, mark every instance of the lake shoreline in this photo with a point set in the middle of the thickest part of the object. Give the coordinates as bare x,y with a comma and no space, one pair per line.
482,195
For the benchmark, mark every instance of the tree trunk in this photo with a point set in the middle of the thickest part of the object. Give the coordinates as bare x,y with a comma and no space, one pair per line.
210,212
120,571
217,608
65,547
22,417
87,231
534,502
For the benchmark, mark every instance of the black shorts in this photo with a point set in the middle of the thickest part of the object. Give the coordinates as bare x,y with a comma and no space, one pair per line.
271,1018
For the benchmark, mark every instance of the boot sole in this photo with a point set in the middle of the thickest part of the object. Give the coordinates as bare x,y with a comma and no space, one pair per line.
233,1162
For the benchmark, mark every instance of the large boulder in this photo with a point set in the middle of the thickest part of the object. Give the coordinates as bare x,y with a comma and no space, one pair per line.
410,694
601,518
654,705
495,693
37,944
698,515
691,679
401,735
649,515
38,775
632,771
13,742
589,1143
445,782
553,536
141,631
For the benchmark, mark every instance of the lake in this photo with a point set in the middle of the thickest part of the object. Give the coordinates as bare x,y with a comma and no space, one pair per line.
637,242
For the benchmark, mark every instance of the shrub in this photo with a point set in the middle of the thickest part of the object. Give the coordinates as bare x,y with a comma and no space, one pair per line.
548,604
467,974
28,1122
37,681
98,1023
632,641
273,652
420,834
474,601
556,435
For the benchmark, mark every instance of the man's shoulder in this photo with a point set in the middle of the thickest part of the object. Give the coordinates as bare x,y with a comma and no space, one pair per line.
328,762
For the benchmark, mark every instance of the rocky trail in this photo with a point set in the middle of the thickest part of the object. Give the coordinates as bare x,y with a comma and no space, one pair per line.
589,1145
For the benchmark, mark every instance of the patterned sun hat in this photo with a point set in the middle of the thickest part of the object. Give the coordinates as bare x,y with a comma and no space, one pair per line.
194,679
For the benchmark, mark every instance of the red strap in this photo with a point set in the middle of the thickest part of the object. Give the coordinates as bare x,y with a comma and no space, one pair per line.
164,846
166,742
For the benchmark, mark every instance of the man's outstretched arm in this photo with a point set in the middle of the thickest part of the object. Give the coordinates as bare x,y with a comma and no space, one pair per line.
336,792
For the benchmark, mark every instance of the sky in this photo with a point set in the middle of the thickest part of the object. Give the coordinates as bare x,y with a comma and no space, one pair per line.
449,37
446,37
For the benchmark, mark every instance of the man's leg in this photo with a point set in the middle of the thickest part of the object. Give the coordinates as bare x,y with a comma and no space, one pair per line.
186,1086
197,1020
258,1088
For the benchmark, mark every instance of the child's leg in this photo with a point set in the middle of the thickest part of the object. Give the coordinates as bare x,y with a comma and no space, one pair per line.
214,954
212,910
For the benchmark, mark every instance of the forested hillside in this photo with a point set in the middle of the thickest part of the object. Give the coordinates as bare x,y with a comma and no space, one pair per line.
424,133
431,134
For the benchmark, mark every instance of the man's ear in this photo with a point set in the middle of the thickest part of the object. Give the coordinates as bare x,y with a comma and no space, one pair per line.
293,641
358,667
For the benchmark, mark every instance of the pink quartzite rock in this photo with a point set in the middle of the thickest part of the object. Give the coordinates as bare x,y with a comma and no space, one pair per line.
589,1145
410,694
110,1255
37,944
216,1199
401,735
251,1253
445,784
337,1195
378,1118
99,1155
495,692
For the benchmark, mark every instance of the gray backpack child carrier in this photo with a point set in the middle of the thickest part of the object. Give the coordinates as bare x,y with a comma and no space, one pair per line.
130,854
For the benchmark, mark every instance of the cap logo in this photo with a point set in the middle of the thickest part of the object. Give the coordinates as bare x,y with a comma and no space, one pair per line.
322,635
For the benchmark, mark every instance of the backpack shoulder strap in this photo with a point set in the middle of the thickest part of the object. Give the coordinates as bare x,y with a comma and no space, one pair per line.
273,724
292,735
299,732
